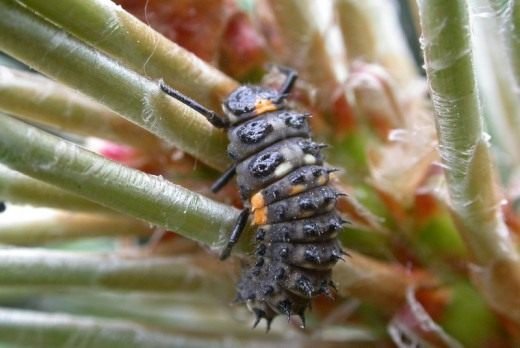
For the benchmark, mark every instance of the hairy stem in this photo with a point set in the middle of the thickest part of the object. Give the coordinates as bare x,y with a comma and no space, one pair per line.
67,226
515,40
20,189
31,328
303,36
32,97
463,145
500,104
147,197
465,154
107,27
47,48
371,32
55,269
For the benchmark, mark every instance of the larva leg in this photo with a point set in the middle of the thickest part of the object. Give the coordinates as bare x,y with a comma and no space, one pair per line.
224,178
290,79
210,115
239,227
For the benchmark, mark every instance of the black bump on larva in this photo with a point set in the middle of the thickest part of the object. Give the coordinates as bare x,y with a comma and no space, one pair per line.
254,132
279,274
297,247
309,146
307,203
304,284
293,120
284,252
268,290
259,262
298,179
261,249
309,229
285,307
318,172
312,254
260,234
280,211
265,164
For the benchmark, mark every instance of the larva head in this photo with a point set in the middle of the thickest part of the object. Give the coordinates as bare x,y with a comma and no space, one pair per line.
246,102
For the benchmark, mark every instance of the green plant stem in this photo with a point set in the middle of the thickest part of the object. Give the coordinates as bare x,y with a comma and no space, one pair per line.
303,37
67,226
107,27
56,269
203,315
147,197
38,329
371,32
27,37
32,97
463,147
20,189
495,77
465,154
515,40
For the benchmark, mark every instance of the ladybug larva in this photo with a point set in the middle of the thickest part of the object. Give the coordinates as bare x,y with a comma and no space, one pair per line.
284,187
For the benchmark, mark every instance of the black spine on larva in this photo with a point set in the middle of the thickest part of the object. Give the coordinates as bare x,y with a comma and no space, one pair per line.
282,180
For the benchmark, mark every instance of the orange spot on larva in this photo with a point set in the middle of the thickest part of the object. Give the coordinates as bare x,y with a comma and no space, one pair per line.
260,216
257,201
264,105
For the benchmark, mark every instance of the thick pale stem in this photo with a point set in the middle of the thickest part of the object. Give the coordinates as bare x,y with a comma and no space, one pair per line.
147,197
465,153
496,78
38,267
20,189
108,28
463,147
32,97
65,58
303,36
371,32
38,329
515,41
66,226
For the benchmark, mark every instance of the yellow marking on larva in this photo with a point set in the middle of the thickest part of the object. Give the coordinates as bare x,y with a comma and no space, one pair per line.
283,169
264,105
322,180
260,216
257,201
309,159
296,189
